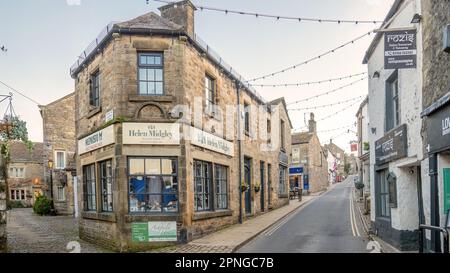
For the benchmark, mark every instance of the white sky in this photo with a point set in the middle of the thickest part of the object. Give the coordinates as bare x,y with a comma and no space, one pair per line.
44,37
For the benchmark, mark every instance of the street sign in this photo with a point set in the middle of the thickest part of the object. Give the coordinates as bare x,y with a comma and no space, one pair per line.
400,49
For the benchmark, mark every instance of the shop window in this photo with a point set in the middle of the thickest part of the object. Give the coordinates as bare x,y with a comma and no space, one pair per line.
282,185
151,74
106,180
89,184
221,182
94,92
203,179
153,185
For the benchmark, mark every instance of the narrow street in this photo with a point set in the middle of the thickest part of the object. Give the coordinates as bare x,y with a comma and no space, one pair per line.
327,224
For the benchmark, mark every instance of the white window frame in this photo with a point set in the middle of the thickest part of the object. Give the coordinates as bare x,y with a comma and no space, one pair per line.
63,193
18,193
17,172
56,159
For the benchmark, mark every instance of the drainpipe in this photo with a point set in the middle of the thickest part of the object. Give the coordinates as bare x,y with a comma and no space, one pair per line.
434,208
238,93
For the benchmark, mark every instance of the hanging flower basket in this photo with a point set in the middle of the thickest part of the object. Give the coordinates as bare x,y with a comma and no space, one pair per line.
257,188
244,187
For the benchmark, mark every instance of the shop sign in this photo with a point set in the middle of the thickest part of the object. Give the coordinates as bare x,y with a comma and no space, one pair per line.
151,133
154,231
109,116
96,140
400,50
439,129
392,146
306,182
211,142
295,170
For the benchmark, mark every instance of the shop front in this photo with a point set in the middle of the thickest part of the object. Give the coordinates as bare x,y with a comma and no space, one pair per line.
396,190
145,186
438,134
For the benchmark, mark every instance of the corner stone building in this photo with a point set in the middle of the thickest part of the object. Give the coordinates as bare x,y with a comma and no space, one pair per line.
157,163
60,142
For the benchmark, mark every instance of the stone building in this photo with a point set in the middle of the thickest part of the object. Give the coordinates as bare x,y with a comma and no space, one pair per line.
309,168
172,143
339,155
25,173
2,216
59,148
435,203
363,145
395,143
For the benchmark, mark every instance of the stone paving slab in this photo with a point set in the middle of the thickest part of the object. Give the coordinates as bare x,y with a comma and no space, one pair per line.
231,238
30,233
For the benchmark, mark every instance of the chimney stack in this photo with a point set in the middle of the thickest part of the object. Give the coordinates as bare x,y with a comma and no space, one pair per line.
181,13
312,123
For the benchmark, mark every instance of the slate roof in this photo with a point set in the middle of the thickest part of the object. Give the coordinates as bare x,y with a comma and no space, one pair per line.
301,138
20,153
151,21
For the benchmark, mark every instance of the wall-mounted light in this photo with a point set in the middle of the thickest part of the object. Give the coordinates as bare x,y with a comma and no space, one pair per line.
376,75
373,130
416,19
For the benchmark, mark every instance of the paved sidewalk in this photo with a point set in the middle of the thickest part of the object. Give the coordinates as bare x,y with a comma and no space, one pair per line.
232,238
365,219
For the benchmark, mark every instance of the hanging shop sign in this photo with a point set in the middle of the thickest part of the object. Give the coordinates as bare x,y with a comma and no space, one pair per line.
211,142
154,231
439,129
283,158
392,146
151,133
400,49
96,140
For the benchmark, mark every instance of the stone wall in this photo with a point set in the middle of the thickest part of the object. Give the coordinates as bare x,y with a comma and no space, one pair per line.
317,166
58,120
2,216
436,62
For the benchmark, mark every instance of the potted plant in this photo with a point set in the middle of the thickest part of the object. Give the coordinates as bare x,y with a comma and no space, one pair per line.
257,187
244,187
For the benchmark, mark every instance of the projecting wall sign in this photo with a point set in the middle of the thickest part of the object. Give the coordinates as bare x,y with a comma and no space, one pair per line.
400,49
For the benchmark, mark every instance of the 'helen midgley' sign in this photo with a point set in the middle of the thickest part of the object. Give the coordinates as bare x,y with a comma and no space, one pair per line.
400,50
392,146
96,140
211,142
151,133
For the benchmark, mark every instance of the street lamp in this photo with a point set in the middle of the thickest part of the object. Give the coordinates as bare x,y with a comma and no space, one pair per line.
50,167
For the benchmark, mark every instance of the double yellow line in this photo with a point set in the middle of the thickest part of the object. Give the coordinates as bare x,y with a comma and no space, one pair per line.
355,230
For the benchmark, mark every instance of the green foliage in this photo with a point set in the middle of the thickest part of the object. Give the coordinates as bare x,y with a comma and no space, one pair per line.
15,205
18,132
347,168
43,205
366,146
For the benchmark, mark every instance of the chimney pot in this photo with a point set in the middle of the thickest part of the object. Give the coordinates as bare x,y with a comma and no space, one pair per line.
181,13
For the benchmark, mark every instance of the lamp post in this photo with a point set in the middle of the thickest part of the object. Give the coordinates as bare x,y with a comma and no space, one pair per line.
50,167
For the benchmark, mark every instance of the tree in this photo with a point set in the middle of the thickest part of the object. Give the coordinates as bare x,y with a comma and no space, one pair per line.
12,128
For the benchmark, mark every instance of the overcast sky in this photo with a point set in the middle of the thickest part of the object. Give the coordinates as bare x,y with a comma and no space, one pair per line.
43,38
